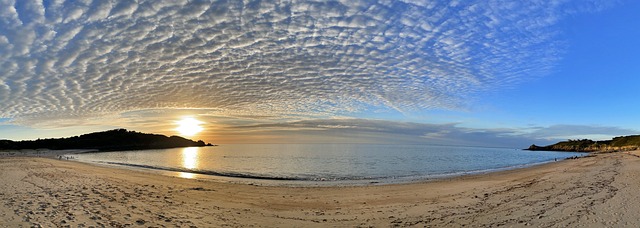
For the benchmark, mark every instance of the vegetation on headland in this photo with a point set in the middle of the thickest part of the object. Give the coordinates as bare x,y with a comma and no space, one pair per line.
622,143
113,140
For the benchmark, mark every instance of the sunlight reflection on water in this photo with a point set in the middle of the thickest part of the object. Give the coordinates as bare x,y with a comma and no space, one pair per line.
186,175
189,161
190,158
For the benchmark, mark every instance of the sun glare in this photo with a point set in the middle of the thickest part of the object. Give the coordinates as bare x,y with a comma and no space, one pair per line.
189,126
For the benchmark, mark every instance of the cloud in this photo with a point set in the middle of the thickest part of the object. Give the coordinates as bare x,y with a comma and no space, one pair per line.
92,58
378,131
564,132
348,130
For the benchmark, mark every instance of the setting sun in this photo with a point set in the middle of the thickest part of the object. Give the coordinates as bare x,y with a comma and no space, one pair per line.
189,126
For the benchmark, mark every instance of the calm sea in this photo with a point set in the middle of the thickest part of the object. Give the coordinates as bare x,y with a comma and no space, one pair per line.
324,164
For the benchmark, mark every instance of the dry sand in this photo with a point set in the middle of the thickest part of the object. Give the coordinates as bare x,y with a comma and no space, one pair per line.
598,191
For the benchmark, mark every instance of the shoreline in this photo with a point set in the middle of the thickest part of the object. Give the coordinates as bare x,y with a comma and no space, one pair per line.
591,191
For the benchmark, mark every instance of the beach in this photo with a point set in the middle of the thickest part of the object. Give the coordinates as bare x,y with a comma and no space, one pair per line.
598,190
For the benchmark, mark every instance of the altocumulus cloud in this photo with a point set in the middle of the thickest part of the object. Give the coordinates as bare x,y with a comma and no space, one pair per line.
61,59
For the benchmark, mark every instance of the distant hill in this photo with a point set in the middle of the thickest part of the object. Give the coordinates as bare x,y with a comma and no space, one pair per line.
113,140
622,143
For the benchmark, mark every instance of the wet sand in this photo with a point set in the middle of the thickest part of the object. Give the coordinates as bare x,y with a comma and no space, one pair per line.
594,191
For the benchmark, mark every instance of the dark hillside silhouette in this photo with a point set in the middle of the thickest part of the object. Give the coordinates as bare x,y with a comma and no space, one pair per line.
118,139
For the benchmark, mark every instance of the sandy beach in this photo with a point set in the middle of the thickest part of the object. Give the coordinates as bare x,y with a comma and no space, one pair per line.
595,191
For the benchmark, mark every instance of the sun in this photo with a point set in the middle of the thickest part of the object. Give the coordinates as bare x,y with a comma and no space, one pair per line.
189,126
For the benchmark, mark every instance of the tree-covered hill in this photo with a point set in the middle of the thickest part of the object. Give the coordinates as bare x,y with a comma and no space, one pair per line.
118,139
622,143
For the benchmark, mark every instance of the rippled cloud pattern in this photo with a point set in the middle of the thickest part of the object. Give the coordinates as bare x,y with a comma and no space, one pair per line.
92,57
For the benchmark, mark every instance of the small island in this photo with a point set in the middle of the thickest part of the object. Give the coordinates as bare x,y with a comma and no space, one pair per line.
112,140
622,143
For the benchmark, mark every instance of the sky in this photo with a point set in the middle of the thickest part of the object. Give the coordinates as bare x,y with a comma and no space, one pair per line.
471,73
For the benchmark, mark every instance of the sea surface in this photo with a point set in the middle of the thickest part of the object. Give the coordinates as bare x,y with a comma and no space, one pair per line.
324,164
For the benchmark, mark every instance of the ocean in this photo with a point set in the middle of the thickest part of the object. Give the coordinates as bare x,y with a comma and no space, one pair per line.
324,164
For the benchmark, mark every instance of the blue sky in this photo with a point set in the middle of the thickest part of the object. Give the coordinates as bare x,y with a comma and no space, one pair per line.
596,81
483,73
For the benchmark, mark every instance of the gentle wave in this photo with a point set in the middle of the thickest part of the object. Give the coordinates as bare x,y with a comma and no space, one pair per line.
251,176
408,178
205,172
